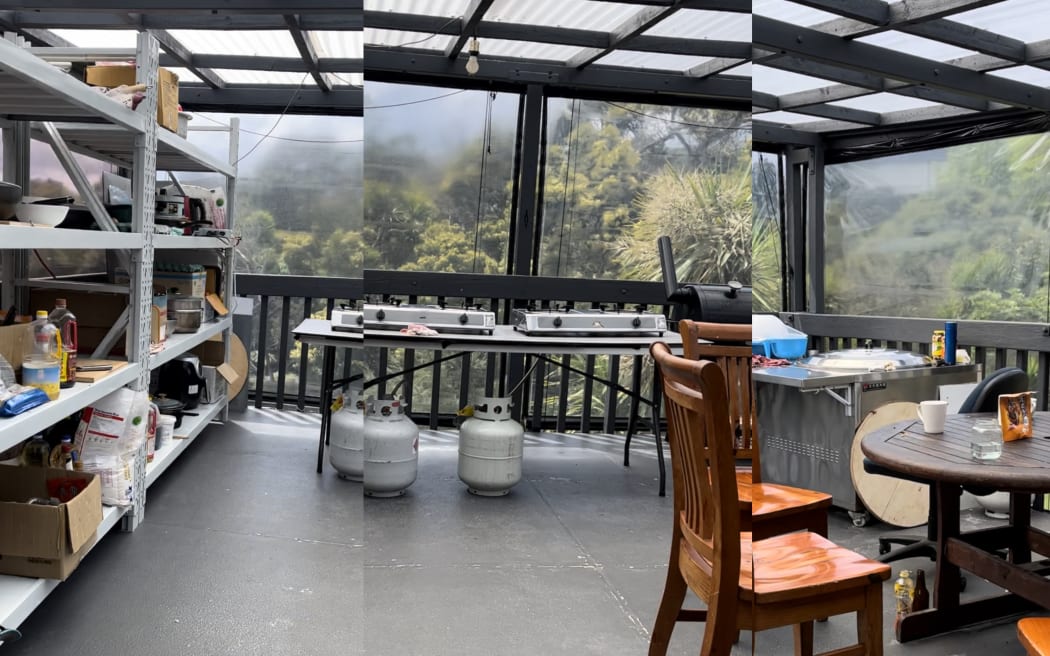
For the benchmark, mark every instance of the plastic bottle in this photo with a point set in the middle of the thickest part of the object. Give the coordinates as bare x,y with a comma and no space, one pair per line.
921,598
42,366
903,591
67,452
36,452
66,322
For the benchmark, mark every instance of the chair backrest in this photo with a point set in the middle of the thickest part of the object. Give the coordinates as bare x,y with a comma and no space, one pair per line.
734,357
705,494
985,397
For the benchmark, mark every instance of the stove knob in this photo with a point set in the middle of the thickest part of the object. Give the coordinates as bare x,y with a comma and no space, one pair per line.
463,318
361,319
734,289
380,315
557,322
397,302
637,322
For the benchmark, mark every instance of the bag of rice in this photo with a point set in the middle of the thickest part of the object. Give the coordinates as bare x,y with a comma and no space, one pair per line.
108,437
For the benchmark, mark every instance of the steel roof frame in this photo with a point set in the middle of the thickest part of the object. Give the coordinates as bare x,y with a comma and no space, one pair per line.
829,50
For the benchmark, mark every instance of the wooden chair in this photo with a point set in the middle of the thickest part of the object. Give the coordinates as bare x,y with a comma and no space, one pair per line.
774,509
1034,633
751,585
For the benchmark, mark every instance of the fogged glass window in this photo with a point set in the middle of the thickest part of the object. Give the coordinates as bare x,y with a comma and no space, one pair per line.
438,166
766,234
958,233
620,175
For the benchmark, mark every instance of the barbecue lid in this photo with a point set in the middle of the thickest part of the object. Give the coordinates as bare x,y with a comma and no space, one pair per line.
864,359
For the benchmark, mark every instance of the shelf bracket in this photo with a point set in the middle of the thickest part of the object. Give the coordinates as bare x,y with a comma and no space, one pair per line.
846,401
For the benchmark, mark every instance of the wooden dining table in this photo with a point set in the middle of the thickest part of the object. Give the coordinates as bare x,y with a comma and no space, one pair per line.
1022,469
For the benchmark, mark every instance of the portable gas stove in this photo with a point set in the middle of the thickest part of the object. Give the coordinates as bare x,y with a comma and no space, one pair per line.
441,319
589,322
348,321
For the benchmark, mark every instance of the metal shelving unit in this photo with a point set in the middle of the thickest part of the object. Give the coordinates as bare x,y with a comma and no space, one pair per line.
37,100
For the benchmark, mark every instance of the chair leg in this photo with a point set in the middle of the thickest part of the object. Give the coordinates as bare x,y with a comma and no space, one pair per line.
869,622
804,639
670,605
720,631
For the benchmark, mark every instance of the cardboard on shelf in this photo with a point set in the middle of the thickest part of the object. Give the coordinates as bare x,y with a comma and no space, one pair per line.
167,96
96,313
45,541
15,342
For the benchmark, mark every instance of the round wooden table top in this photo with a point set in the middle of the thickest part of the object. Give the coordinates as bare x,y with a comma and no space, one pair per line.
1023,467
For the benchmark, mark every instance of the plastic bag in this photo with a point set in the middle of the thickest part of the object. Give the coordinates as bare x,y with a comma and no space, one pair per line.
26,398
110,433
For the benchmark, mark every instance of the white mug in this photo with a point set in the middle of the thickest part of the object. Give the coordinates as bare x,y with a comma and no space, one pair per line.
932,414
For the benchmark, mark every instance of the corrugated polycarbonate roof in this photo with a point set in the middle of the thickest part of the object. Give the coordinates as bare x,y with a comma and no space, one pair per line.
827,67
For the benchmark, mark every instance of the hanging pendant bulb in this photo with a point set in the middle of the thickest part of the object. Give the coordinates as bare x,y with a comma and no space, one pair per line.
472,61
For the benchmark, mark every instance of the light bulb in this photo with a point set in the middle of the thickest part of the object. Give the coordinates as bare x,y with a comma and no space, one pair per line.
472,61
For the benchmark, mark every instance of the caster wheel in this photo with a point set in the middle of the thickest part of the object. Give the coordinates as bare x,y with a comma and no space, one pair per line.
7,636
860,519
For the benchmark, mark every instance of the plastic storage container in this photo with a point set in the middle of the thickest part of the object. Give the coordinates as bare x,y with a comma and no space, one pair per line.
772,338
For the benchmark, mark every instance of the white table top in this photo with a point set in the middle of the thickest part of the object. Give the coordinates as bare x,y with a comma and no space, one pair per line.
504,339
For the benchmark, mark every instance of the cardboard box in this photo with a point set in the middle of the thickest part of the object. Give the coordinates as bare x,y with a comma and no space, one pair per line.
173,282
219,373
167,96
15,342
45,541
96,313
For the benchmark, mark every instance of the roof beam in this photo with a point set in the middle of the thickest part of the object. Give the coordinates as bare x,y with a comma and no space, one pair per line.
306,52
393,64
836,51
765,132
869,11
475,12
225,6
184,58
714,65
736,6
38,37
901,14
557,35
201,21
272,99
624,32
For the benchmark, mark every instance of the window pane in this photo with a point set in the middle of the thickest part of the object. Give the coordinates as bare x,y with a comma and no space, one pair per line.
957,233
766,252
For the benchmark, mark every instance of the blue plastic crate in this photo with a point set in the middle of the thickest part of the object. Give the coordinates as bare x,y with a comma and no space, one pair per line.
788,348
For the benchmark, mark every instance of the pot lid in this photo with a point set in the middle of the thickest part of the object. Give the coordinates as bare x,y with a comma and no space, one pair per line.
865,359
164,404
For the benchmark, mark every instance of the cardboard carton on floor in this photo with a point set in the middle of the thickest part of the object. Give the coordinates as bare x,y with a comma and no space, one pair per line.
45,541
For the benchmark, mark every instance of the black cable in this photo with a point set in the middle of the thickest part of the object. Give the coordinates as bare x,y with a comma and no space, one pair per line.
415,102
278,121
671,120
486,150
565,186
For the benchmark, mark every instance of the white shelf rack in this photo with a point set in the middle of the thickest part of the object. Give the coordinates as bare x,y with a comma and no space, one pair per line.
175,242
15,429
20,595
38,238
185,434
179,343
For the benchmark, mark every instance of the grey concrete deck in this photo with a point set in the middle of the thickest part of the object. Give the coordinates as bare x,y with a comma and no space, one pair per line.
245,550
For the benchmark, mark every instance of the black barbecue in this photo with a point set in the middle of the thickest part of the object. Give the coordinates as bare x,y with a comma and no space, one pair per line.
728,303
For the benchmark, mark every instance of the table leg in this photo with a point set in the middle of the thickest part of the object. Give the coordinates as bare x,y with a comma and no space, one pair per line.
632,420
1020,520
327,375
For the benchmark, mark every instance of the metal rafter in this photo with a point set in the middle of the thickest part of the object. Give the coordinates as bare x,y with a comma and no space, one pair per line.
225,6
183,21
868,11
714,65
35,36
624,32
272,99
902,14
475,12
306,51
184,58
400,64
817,46
557,35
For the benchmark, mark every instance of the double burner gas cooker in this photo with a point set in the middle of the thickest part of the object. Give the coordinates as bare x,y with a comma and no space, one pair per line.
348,320
440,318
589,323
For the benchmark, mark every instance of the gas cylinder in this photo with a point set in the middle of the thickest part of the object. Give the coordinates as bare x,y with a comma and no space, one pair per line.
391,449
490,448
346,450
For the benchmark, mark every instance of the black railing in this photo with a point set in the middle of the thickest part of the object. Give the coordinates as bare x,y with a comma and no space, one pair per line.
554,397
992,344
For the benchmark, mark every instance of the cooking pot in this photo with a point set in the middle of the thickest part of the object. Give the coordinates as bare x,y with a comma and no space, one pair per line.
170,407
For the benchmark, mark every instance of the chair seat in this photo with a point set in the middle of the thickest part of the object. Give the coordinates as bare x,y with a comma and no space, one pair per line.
1034,633
770,501
802,565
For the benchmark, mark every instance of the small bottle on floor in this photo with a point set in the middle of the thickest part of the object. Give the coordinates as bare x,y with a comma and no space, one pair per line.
903,591
921,597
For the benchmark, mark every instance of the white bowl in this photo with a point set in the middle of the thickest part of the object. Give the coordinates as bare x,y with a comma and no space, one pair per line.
46,215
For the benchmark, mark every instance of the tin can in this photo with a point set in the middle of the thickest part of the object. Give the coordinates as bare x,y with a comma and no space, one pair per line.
951,332
937,345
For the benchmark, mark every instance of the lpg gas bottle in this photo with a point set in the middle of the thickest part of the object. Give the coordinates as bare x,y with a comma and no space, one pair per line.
346,451
490,448
391,449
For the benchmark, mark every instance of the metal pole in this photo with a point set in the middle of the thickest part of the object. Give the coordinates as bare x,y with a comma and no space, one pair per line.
815,230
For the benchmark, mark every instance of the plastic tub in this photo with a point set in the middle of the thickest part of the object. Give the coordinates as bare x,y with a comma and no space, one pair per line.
773,339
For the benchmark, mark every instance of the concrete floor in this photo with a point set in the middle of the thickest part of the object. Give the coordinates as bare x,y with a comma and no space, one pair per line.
245,550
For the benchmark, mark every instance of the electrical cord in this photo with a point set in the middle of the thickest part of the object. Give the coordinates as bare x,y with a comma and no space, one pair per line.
284,112
677,122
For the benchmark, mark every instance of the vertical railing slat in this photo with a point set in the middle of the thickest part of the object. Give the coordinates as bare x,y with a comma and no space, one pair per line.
260,358
282,353
304,358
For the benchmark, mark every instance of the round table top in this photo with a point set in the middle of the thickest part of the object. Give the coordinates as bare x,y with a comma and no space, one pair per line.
1023,467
